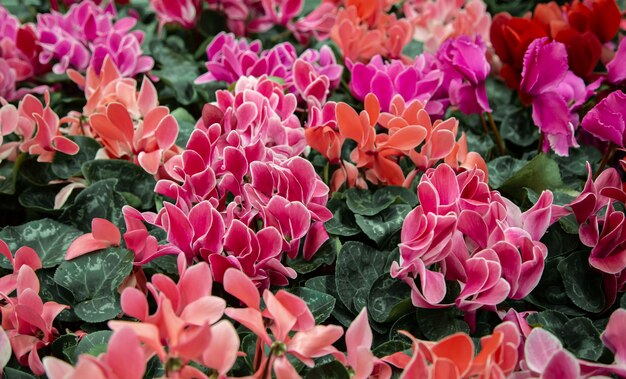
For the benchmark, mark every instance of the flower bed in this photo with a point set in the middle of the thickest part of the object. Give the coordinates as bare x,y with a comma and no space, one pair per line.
317,189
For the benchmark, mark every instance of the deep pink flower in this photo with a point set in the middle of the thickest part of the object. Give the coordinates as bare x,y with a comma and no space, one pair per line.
463,61
616,72
556,93
316,24
607,120
182,12
275,12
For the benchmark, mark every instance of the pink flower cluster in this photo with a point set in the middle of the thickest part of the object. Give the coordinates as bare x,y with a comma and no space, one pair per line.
129,124
436,21
556,93
26,319
18,56
311,75
86,34
454,76
475,237
242,195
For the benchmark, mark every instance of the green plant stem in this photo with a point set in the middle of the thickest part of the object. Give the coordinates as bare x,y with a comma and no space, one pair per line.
485,129
542,138
496,133
605,159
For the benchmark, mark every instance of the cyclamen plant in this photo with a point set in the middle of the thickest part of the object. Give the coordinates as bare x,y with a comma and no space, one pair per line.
340,189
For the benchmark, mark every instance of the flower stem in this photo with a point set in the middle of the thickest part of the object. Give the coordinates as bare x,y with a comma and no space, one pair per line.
485,129
542,137
496,133
605,159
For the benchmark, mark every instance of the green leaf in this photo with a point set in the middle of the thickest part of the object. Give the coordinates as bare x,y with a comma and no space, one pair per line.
502,168
539,174
551,321
320,303
326,284
67,166
342,223
390,347
8,174
413,49
583,284
11,373
37,173
130,178
324,256
49,290
439,323
331,370
389,299
64,346
93,279
93,343
41,199
98,200
177,70
50,240
558,241
518,127
366,203
358,266
580,337
550,292
186,125
382,226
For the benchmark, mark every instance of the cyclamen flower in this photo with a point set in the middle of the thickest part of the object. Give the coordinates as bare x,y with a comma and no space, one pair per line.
182,12
556,93
479,239
230,58
26,319
420,80
464,65
437,21
283,313
616,72
607,120
125,358
86,35
360,41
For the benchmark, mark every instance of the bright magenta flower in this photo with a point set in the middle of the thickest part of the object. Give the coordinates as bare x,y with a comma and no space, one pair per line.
607,120
182,12
556,93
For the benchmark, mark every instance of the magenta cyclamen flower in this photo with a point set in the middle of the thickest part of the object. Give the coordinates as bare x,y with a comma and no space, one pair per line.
240,169
182,12
420,80
475,237
230,58
616,70
86,34
607,120
556,93
463,61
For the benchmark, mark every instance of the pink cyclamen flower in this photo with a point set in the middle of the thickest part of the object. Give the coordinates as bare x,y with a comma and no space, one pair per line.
39,127
86,35
125,358
287,313
607,120
24,256
275,12
463,61
420,80
9,117
182,12
556,92
28,320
